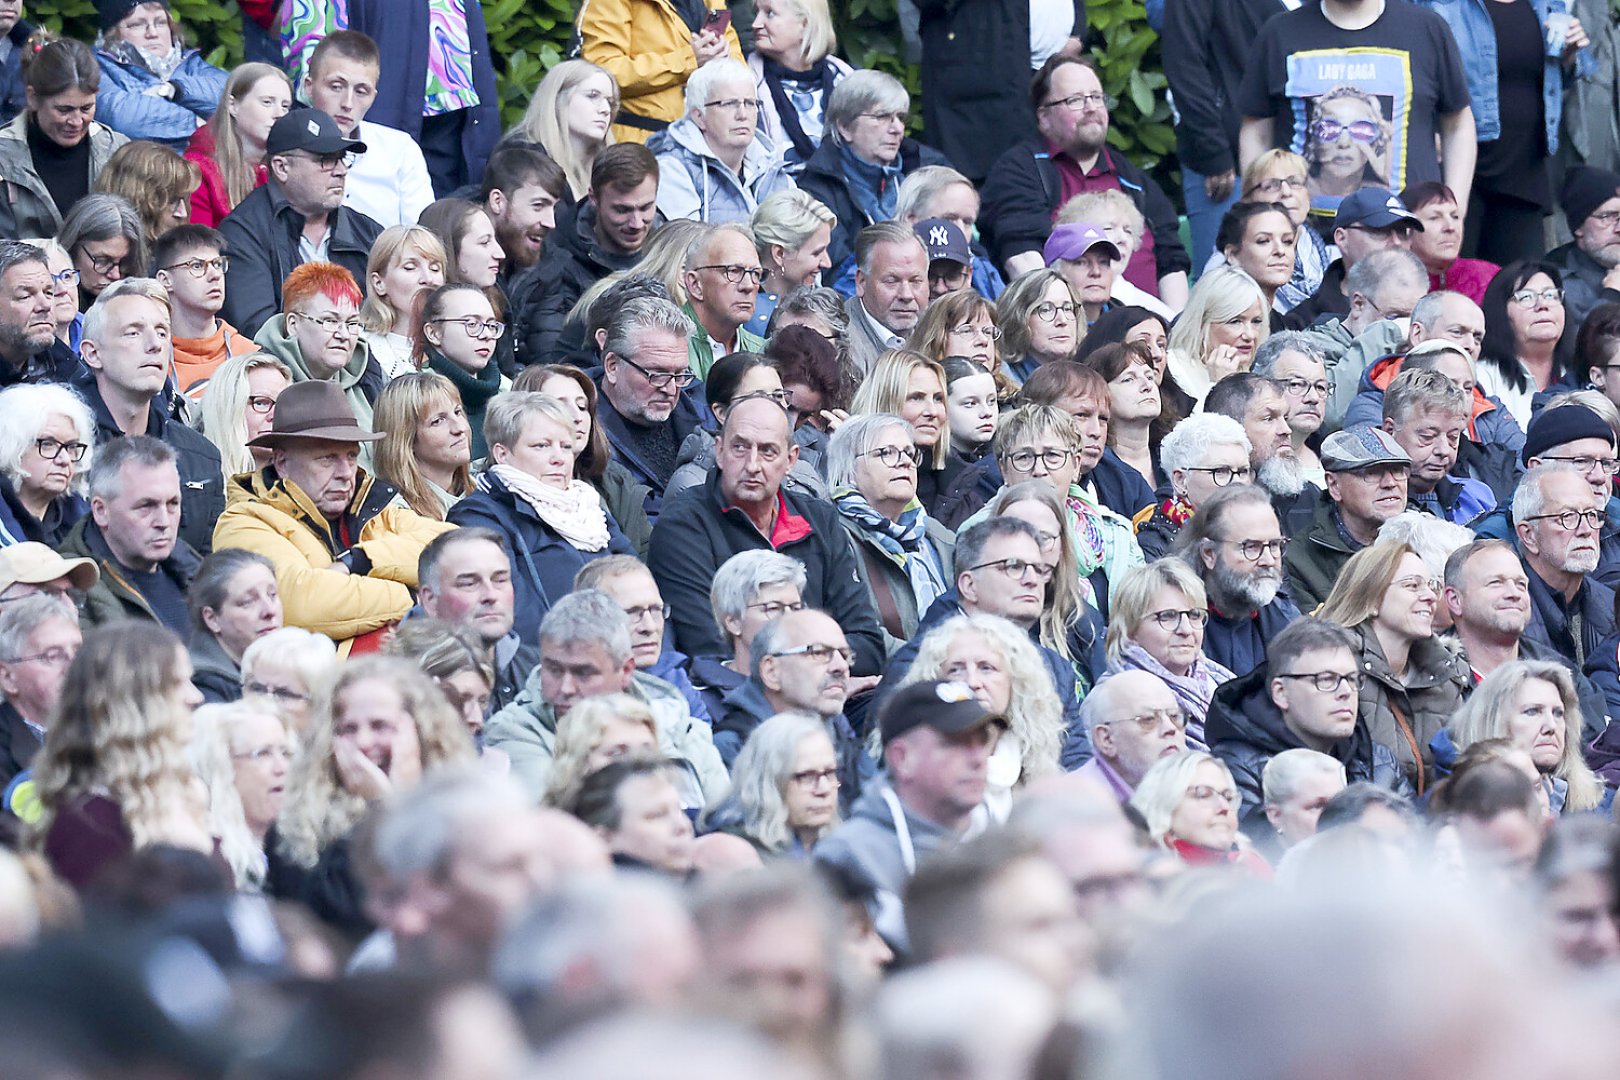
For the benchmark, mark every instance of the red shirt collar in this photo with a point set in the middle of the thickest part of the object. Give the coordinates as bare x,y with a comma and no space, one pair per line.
788,527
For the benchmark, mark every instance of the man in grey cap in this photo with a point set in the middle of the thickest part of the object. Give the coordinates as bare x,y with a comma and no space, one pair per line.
1366,486
950,260
937,741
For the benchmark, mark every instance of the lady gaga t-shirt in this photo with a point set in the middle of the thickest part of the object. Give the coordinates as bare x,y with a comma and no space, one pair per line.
1360,106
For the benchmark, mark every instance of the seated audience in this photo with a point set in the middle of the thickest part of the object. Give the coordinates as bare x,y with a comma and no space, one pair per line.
1294,362
911,386
238,404
634,806
1440,242
1524,322
735,378
570,118
457,662
1133,720
47,442
1279,177
1190,803
1366,486
1556,519
106,240
598,731
1295,787
1225,321
720,275
233,602
154,181
891,291
521,191
960,322
465,581
458,338
1586,264
260,751
190,262
795,72
750,589
627,581
970,407
406,263
792,231
39,637
940,193
714,163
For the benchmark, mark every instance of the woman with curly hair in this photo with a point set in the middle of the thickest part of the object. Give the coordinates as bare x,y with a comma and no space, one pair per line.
113,775
385,725
426,448
595,732
156,181
785,783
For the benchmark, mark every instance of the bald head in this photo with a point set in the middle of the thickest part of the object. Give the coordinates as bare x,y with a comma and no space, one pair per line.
802,662
756,451
1134,720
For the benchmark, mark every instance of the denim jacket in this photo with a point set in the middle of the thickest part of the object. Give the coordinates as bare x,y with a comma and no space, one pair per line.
1471,25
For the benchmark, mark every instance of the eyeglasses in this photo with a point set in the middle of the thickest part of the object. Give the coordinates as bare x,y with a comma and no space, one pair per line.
781,397
736,272
895,456
774,609
1609,465
969,330
1416,584
636,614
1570,520
1300,387
102,263
1154,719
1253,549
199,267
332,324
52,450
262,404
1327,682
280,693
1077,102
1222,475
1170,619
1276,184
329,162
265,754
735,104
1362,131
66,278
660,379
821,654
1048,311
477,329
1205,793
1530,297
1017,568
1024,460
1606,218
57,657
896,117
815,778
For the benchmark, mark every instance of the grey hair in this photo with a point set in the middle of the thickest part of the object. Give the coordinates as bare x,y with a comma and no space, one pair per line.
788,219
763,770
1280,779
921,187
869,239
24,409
20,618
1098,706
862,91
697,252
853,439
210,754
1415,388
764,644
1428,309
1528,498
627,327
107,478
741,578
508,414
1271,350
1434,539
817,301
589,616
972,541
962,1016
1370,275
702,82
1189,442
311,656
14,253
419,829
151,288
99,216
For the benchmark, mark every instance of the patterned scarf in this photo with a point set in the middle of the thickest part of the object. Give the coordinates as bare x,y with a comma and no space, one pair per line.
1310,263
574,512
1194,690
162,66
1102,537
1176,510
903,542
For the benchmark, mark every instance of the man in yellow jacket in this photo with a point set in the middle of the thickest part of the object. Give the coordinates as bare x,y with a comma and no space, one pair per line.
344,544
650,47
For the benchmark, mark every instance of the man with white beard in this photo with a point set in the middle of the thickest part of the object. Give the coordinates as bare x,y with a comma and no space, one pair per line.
1557,518
1235,545
1258,404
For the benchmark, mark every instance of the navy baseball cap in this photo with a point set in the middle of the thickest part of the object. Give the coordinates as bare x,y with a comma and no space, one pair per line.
1374,208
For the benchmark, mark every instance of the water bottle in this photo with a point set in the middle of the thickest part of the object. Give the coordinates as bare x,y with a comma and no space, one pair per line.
1557,29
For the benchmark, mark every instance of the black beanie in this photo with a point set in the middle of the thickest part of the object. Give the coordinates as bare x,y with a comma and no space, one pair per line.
114,12
1585,189
1564,424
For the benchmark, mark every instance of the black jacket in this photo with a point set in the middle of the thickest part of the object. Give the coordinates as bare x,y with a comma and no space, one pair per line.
694,536
263,233
1238,642
212,671
1550,617
18,744
1329,301
685,419
1022,192
543,295
57,364
975,78
824,178
202,471
1206,45
746,707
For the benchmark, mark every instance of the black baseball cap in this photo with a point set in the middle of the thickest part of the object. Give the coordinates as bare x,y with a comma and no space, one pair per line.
948,707
311,130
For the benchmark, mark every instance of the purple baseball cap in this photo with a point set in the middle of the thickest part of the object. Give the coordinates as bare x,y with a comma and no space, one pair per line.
1074,240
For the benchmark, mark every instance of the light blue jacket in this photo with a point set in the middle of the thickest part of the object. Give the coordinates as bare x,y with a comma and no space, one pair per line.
1471,25
123,104
694,183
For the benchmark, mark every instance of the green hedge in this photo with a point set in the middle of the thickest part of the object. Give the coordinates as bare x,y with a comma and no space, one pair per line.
527,37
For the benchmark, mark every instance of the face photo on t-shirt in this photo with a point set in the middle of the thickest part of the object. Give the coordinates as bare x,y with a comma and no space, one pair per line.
1350,121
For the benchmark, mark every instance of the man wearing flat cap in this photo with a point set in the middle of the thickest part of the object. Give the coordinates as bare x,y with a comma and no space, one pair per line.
1367,474
937,741
344,545
297,217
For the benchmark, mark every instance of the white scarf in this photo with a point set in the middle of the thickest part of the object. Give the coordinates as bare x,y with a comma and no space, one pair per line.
575,512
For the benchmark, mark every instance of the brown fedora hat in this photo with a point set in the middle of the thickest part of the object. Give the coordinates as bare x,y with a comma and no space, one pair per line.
315,409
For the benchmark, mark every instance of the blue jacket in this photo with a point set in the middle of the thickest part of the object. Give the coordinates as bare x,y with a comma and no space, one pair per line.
746,708
1470,23
671,667
1461,500
13,96
123,104
543,563
1238,642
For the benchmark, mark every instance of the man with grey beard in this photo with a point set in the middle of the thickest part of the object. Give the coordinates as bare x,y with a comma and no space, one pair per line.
1258,404
1235,545
1557,518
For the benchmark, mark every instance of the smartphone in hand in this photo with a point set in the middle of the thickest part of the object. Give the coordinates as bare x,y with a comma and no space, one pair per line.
717,22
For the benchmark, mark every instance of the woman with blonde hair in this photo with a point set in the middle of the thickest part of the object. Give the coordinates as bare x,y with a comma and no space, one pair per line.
456,660
260,750
211,753
1412,681
785,782
1156,623
156,181
239,405
426,448
405,263
910,385
792,230
1190,803
387,724
593,733
293,669
1225,321
571,117
1000,665
1040,324
113,776
229,149
1533,705
47,445
795,72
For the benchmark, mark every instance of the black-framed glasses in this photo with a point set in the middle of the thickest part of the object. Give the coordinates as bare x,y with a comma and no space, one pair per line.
1024,460
1170,619
1300,387
1327,682
103,263
1077,102
1570,520
1154,719
895,456
477,329
1253,549
1274,185
660,379
636,614
774,609
329,162
1586,464
56,657
821,654
263,404
1222,475
52,449
735,272
199,267
815,778
1017,568
1047,311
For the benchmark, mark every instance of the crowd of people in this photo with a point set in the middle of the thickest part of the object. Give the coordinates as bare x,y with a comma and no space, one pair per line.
707,582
